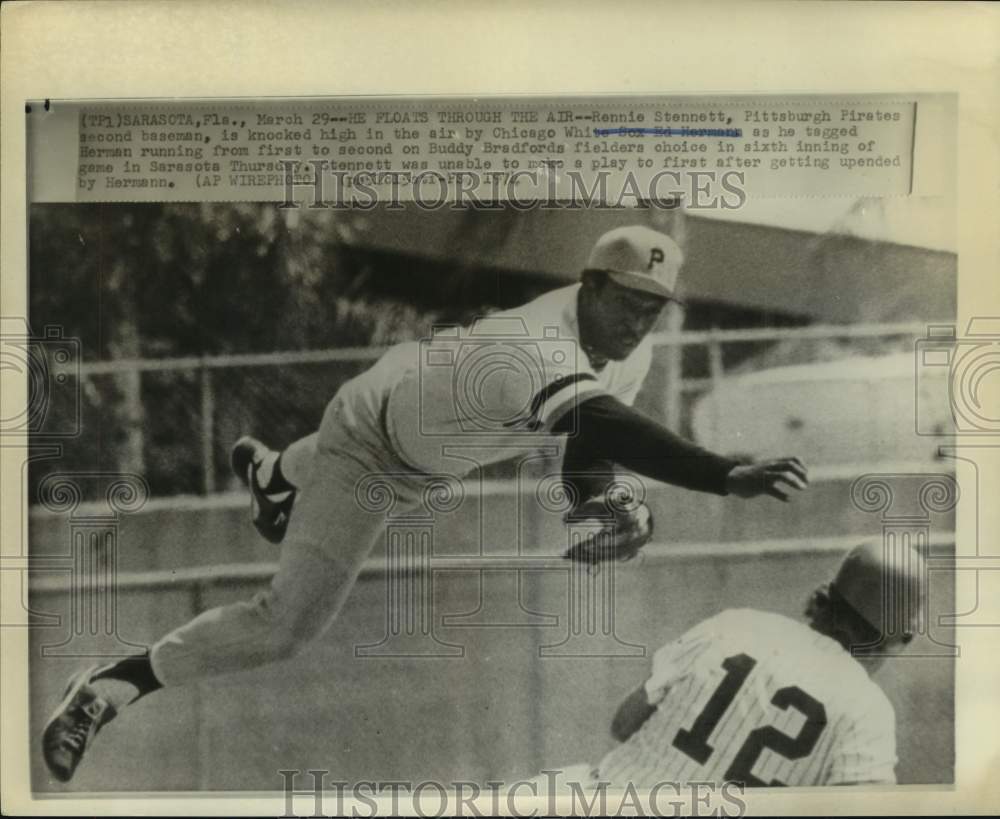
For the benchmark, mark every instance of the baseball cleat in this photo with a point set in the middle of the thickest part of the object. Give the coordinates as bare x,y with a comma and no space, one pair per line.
247,452
269,517
74,725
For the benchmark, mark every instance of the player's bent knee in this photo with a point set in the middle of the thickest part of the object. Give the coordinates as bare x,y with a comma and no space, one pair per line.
287,632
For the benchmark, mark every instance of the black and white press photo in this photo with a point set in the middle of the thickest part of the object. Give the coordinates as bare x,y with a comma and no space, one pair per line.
389,452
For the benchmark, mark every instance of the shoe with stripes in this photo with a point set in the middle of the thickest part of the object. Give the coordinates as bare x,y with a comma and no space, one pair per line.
269,517
73,726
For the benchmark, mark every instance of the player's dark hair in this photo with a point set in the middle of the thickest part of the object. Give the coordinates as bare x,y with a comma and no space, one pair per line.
832,615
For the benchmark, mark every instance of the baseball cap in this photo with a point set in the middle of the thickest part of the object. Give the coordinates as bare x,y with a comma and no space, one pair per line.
640,258
884,584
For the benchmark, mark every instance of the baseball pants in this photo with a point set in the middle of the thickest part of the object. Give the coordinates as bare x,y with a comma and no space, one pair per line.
331,533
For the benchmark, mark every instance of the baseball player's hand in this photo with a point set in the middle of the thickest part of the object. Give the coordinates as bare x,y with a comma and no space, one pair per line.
611,533
772,478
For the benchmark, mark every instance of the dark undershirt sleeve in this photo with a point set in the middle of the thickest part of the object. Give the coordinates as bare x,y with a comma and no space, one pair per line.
602,428
588,476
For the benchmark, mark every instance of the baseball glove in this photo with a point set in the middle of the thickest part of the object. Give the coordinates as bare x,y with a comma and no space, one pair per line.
608,532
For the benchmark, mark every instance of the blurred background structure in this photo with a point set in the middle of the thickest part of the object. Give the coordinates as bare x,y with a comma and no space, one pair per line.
202,322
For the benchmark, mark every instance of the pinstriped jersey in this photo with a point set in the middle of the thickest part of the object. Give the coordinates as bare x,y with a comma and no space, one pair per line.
498,385
756,697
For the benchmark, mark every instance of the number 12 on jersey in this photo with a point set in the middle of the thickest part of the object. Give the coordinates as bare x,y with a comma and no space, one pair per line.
693,741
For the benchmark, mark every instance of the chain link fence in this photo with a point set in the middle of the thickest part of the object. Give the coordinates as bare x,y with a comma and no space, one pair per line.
174,420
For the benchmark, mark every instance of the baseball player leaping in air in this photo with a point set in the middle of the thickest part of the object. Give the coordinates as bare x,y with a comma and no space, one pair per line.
565,367
757,698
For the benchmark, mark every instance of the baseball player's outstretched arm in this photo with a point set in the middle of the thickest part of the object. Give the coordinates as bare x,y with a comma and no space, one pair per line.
589,476
610,430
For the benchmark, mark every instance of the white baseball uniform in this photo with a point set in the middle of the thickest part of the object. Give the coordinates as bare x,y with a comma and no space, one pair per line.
500,384
495,387
757,697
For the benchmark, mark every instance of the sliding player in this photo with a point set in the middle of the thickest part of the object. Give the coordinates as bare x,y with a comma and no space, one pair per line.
757,698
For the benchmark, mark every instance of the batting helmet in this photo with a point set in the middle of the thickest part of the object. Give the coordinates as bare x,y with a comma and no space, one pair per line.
884,583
